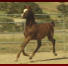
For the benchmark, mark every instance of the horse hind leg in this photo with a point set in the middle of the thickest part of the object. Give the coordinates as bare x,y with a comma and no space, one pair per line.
50,37
54,50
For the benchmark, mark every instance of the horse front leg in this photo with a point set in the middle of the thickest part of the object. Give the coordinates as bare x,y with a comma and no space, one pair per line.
23,47
38,46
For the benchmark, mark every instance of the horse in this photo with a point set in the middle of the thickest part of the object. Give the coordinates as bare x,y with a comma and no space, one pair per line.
34,31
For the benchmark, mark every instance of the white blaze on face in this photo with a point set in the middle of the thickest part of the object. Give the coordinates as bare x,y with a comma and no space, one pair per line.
24,12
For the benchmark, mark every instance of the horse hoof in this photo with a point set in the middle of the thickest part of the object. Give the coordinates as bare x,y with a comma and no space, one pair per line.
30,58
55,54
26,55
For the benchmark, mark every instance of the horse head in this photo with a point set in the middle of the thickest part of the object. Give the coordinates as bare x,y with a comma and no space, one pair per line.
27,13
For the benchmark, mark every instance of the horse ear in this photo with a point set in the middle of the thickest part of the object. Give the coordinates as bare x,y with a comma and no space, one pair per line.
28,7
24,6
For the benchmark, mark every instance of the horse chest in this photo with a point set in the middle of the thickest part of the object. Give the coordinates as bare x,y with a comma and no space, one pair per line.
30,31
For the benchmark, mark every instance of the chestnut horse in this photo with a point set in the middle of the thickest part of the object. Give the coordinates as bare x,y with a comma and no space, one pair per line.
34,31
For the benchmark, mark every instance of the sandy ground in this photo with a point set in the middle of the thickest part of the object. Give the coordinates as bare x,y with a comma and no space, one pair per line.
39,58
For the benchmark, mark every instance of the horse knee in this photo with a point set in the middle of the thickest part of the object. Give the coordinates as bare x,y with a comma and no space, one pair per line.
39,43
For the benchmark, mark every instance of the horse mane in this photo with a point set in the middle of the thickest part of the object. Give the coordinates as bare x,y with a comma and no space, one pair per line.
31,19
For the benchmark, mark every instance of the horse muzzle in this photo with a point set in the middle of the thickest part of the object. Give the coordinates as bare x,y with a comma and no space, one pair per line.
22,15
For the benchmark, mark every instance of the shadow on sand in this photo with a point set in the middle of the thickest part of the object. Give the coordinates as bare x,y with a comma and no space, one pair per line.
49,59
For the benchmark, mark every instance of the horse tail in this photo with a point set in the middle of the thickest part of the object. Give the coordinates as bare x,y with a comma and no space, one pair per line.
53,23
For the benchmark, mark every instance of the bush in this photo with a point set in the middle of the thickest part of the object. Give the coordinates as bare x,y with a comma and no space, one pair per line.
5,24
63,8
17,7
8,25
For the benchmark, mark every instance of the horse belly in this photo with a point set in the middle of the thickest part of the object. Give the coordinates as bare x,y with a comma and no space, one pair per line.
41,35
42,32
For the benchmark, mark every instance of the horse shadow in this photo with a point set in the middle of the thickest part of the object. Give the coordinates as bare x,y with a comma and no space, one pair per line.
61,58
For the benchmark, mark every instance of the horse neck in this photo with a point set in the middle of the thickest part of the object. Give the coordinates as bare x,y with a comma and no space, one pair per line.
30,21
